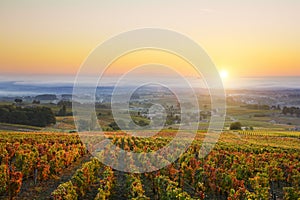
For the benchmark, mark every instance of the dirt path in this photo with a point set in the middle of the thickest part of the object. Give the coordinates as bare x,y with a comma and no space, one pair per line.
44,189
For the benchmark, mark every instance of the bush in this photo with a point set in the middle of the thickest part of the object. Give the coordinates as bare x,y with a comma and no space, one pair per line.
114,126
65,191
236,126
291,193
3,178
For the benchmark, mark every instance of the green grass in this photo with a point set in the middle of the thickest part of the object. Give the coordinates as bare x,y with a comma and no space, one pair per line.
6,126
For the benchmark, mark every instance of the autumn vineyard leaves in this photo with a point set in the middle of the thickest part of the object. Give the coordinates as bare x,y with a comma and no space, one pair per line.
34,156
241,166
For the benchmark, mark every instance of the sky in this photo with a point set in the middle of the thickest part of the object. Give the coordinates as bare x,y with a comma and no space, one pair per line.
243,38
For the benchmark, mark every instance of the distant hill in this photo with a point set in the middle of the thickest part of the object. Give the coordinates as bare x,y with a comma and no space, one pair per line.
46,97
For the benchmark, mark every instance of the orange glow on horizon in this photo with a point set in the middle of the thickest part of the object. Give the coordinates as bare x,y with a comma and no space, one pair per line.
138,58
56,37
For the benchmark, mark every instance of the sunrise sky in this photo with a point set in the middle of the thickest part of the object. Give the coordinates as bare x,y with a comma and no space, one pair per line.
253,38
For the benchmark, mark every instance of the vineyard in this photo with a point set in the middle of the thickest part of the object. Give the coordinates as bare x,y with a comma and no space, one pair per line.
242,165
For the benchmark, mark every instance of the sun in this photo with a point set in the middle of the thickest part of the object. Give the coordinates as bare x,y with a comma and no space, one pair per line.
224,74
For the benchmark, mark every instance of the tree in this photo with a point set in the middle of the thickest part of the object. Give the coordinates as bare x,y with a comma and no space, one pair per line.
36,102
4,112
236,126
18,101
285,110
62,111
34,116
114,126
278,107
18,117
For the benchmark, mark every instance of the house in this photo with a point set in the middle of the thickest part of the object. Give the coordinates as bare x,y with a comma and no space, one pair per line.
296,128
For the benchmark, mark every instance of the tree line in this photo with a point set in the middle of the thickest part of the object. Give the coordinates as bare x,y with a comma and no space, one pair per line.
33,116
295,111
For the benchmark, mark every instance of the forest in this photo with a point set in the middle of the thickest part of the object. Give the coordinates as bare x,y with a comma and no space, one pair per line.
33,116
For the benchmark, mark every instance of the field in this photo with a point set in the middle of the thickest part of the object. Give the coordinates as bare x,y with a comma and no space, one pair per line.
242,165
167,100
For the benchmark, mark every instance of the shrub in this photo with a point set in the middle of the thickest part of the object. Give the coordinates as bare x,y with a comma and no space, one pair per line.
236,126
65,191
